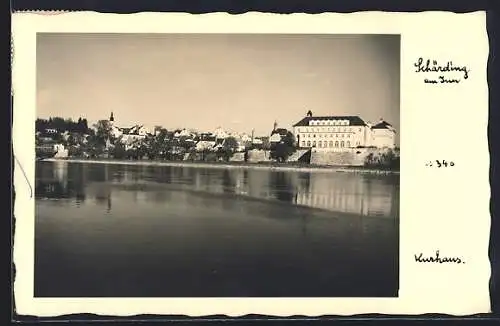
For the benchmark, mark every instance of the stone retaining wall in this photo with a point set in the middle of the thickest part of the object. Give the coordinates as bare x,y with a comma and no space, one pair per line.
238,157
258,156
346,157
297,155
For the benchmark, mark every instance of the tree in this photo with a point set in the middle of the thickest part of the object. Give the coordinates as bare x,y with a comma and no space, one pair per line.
289,139
97,140
386,160
41,125
59,124
82,126
230,143
119,151
75,151
156,146
157,130
266,144
103,131
370,160
93,146
390,160
142,151
229,146
186,143
286,147
95,150
162,135
71,141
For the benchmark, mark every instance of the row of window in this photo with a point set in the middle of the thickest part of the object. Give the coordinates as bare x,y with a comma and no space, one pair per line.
325,136
348,129
329,123
326,144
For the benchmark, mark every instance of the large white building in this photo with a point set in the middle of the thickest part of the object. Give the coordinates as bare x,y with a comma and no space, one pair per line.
383,135
341,132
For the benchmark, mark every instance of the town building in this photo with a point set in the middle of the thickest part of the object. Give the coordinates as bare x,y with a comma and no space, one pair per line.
182,133
220,133
245,138
115,131
205,145
127,135
383,135
137,132
342,132
277,134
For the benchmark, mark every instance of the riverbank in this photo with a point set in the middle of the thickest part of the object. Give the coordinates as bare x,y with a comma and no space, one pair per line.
232,165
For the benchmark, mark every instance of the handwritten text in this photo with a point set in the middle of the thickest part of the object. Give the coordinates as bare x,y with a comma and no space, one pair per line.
440,163
436,258
433,66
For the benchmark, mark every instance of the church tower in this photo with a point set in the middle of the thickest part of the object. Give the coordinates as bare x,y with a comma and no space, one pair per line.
111,119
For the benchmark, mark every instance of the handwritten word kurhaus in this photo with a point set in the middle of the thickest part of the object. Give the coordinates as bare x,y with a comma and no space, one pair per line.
437,259
433,66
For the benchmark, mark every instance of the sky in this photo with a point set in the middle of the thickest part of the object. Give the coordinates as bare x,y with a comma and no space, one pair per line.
238,82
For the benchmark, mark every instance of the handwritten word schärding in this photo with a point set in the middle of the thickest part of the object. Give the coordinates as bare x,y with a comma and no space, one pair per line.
433,66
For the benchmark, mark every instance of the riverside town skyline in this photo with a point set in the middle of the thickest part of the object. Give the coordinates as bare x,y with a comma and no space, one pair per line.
151,127
316,140
239,82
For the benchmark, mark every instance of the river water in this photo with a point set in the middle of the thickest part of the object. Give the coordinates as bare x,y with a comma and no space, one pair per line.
104,230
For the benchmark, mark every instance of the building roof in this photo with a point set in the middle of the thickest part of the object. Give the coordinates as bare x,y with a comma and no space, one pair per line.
209,138
354,120
382,125
281,131
132,130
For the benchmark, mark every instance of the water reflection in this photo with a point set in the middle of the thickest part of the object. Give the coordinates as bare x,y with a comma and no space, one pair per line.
132,231
363,195
61,180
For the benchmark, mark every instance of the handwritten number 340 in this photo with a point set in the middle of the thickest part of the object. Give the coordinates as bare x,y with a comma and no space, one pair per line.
439,163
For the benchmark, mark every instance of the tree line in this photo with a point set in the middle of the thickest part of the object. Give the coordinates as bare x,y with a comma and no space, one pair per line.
159,145
62,125
387,160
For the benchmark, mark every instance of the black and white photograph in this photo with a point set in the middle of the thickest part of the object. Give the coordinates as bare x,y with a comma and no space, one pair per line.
224,166
217,165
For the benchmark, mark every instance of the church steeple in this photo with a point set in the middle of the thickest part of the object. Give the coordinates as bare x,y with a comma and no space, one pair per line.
111,118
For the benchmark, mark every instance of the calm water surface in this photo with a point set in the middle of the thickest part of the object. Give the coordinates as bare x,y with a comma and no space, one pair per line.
142,231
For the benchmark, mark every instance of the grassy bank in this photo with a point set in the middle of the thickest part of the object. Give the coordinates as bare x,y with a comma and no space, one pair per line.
289,166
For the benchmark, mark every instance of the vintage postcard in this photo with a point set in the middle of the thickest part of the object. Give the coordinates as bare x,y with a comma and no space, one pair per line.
216,164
